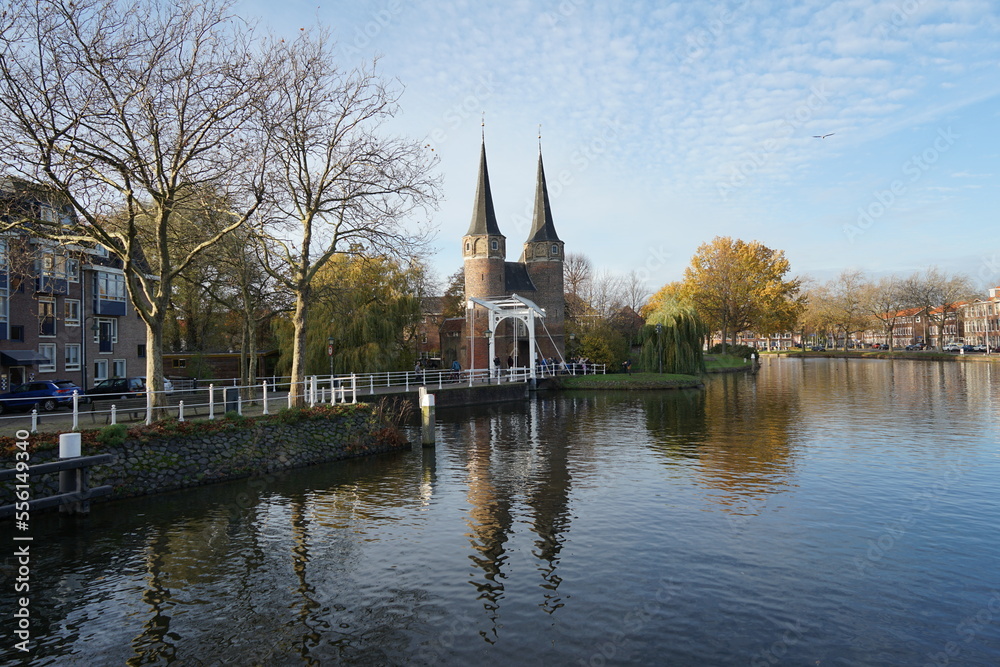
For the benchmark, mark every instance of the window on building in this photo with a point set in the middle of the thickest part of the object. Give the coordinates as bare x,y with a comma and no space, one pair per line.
46,316
494,244
73,269
47,350
107,329
100,370
118,368
140,350
110,286
555,249
71,357
17,333
71,312
180,363
46,213
47,263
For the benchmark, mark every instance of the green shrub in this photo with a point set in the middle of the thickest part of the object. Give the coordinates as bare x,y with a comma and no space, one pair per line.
112,435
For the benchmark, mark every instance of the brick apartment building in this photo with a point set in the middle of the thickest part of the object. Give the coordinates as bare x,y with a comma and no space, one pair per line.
64,311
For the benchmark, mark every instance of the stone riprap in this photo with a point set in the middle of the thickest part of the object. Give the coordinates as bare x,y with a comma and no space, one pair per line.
153,464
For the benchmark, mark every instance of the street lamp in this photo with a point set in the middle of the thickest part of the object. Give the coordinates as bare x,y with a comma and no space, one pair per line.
659,345
329,353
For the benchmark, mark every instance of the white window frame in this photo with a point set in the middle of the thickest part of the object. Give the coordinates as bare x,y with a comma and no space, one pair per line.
114,329
71,357
48,350
100,370
71,319
119,368
72,269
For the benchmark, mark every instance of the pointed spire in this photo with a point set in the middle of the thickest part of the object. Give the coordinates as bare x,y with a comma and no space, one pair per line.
542,227
484,219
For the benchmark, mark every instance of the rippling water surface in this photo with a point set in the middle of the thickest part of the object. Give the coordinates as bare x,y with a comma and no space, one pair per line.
823,512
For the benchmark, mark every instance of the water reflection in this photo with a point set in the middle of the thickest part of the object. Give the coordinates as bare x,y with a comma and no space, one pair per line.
535,531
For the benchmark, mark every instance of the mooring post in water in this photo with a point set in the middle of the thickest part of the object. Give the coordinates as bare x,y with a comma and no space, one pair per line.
427,421
69,448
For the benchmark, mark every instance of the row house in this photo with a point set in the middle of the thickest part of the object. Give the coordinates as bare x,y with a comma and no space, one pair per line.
64,312
981,320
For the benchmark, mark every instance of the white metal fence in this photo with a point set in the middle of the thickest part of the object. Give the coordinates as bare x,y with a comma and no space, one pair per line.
214,398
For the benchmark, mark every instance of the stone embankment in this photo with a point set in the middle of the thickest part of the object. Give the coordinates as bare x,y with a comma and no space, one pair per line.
148,462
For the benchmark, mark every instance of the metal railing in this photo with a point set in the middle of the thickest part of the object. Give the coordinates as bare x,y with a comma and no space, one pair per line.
217,397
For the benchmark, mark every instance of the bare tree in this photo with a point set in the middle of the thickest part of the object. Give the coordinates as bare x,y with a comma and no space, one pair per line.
938,294
848,309
131,111
885,301
577,274
337,184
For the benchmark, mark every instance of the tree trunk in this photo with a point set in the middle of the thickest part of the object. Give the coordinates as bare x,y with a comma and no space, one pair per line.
299,348
154,365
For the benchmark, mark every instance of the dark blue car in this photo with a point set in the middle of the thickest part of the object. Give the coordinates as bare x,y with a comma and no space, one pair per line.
46,394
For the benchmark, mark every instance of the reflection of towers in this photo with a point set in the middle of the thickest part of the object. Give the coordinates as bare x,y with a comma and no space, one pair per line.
511,464
549,499
490,518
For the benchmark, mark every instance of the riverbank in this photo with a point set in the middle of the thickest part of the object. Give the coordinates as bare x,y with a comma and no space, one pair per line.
170,455
885,354
626,381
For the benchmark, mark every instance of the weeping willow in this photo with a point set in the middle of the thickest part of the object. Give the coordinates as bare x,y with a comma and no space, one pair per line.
680,342
369,307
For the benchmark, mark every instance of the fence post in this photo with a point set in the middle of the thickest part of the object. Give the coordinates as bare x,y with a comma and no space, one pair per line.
180,411
265,398
34,420
114,414
211,402
149,405
354,388
76,410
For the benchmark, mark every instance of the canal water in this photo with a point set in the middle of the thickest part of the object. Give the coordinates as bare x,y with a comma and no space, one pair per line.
822,512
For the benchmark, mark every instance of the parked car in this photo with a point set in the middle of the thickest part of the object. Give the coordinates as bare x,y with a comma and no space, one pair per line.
951,347
123,387
818,348
46,394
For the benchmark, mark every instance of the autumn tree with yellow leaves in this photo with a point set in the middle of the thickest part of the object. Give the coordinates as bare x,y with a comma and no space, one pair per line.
737,286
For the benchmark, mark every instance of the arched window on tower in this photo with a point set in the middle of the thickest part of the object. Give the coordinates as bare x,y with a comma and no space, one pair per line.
555,248
494,244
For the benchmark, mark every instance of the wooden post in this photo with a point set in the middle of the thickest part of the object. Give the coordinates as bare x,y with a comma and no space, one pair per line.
69,480
428,425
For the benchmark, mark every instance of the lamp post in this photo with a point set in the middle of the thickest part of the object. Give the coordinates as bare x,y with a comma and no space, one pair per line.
329,353
659,345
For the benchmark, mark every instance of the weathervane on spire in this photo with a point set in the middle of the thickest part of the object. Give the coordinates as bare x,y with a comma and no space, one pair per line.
484,126
539,137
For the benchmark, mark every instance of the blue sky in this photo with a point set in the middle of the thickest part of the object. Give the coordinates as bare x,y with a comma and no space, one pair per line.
665,124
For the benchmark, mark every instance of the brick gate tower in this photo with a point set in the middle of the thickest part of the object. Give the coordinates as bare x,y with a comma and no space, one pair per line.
538,276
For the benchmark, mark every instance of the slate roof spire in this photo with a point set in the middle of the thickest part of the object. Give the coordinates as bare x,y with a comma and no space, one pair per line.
542,227
484,218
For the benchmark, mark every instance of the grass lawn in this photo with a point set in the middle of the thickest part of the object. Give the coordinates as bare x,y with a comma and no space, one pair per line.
633,381
717,361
